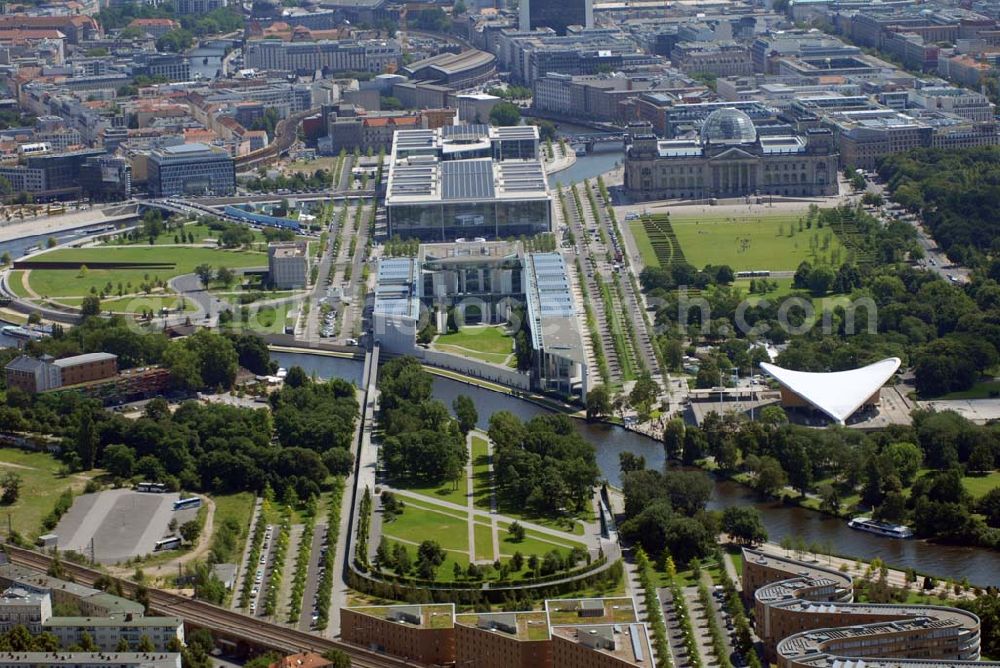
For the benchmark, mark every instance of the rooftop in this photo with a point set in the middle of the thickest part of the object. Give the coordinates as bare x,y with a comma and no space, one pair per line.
838,393
527,626
110,659
628,643
591,611
440,616
425,179
86,358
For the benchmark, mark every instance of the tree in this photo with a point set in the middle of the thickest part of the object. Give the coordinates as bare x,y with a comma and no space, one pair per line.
643,394
145,644
598,402
744,525
119,460
337,658
505,114
296,377
226,276
465,413
190,531
516,532
90,306
769,477
87,440
673,438
205,273
820,280
11,483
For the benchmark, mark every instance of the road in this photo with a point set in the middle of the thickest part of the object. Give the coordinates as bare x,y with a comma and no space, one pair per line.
313,575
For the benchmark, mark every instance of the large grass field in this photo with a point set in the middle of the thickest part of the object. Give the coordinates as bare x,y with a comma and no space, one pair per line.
77,283
767,242
425,520
486,343
41,486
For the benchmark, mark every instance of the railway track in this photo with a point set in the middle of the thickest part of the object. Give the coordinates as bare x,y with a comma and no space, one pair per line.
219,620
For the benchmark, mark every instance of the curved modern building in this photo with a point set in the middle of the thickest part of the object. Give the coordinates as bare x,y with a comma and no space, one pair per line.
806,616
836,394
729,158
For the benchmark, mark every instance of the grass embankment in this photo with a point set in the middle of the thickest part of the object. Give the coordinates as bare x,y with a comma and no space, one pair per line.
487,343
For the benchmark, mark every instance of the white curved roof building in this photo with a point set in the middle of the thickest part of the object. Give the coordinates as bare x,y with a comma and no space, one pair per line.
838,394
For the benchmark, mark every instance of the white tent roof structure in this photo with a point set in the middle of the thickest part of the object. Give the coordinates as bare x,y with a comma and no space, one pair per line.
838,393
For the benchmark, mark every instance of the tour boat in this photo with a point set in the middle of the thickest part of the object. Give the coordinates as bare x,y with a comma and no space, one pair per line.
881,528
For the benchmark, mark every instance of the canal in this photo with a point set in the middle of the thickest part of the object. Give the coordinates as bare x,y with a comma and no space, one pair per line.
981,567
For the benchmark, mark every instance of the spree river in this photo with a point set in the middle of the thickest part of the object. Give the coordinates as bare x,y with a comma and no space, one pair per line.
981,567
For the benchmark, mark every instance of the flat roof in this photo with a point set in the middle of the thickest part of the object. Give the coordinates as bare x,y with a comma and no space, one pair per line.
111,659
629,643
524,626
838,393
553,322
425,179
435,616
395,288
567,612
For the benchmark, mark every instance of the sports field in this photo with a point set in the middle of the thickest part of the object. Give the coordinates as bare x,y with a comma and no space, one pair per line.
78,283
776,242
486,343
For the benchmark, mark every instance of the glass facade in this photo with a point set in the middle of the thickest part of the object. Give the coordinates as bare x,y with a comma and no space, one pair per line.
455,220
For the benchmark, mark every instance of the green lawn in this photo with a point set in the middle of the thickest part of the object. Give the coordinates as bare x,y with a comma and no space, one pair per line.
983,390
446,491
201,234
567,524
139,303
484,541
237,507
419,523
41,485
978,486
767,242
487,343
76,283
481,479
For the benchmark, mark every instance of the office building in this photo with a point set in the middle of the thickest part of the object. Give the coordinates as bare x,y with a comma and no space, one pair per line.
529,55
40,374
191,169
722,59
482,282
556,14
106,178
806,616
730,159
455,70
328,55
467,181
288,265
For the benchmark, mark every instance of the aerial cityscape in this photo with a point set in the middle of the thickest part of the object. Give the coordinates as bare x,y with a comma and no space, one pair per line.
499,333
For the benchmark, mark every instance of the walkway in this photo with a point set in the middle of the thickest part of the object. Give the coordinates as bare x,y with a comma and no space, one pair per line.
470,499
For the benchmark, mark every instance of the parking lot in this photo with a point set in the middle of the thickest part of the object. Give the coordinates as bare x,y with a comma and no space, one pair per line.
119,524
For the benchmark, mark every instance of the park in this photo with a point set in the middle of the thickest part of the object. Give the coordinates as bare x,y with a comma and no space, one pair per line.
759,242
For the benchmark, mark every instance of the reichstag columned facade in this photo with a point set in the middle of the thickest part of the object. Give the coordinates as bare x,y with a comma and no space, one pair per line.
730,159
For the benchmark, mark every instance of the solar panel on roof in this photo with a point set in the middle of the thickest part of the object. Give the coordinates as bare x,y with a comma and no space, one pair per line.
467,179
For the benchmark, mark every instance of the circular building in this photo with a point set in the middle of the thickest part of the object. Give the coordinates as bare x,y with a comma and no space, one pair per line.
728,126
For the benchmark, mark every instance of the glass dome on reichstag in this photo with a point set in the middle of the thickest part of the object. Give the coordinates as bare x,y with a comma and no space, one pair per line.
728,126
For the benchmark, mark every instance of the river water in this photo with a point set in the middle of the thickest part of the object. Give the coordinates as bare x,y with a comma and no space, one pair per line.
602,159
981,567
